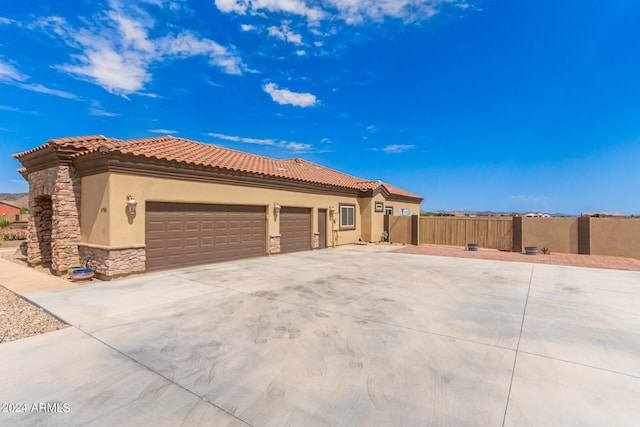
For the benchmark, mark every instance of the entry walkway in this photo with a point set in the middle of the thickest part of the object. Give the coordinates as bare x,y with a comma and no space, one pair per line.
572,260
22,279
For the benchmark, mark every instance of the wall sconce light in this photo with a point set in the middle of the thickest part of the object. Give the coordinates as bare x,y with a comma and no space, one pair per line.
276,208
332,210
131,204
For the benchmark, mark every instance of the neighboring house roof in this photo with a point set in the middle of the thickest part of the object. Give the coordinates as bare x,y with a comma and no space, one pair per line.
200,154
10,205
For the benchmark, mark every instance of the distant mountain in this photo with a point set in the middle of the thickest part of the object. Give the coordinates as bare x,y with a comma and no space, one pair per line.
20,200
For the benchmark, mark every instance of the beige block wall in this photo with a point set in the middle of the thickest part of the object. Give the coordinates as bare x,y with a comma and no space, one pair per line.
557,234
106,222
616,237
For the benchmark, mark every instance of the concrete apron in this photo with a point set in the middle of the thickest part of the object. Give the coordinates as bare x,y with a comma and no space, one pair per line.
353,336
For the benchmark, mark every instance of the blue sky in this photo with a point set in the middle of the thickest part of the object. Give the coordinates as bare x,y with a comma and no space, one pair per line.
482,105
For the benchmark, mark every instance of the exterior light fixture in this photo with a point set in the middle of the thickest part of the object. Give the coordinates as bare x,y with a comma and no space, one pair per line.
131,204
332,209
276,208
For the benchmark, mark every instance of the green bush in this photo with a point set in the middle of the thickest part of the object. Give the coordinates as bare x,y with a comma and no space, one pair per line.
13,234
4,222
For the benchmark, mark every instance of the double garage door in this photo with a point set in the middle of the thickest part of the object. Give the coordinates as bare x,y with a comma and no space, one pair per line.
181,234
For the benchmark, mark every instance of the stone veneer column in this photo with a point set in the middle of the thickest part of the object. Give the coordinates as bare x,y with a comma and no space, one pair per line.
41,184
274,245
65,234
54,226
315,244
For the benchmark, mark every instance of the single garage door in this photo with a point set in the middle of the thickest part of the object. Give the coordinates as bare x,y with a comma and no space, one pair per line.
295,229
181,234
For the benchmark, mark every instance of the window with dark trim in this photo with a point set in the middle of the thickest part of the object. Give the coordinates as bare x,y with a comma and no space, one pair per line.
379,206
347,217
388,210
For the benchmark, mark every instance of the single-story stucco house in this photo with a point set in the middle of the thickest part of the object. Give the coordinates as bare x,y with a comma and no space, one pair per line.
9,211
164,202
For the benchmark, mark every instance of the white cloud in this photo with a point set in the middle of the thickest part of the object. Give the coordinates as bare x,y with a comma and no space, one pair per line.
398,148
243,139
117,52
247,27
301,52
7,108
113,71
287,97
5,21
284,33
287,145
36,87
163,131
96,109
254,7
350,11
295,146
188,44
10,75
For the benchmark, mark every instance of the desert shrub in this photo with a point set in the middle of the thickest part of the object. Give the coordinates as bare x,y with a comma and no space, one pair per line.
13,234
4,222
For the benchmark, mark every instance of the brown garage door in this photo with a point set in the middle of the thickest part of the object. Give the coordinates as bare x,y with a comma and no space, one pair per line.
295,229
180,234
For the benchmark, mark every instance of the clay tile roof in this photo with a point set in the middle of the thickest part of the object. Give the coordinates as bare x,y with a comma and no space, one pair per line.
76,142
186,151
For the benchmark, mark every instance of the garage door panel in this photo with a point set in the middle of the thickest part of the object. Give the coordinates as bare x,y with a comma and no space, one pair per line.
295,229
179,235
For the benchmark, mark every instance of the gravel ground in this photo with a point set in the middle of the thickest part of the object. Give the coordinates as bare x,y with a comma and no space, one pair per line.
20,319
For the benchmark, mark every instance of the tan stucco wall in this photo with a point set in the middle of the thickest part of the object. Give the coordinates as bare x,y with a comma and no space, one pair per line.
95,209
557,234
116,228
616,237
372,221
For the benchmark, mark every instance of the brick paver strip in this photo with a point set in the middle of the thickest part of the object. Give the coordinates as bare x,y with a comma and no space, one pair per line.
575,260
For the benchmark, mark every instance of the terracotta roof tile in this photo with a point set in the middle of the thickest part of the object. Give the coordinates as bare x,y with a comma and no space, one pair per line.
197,153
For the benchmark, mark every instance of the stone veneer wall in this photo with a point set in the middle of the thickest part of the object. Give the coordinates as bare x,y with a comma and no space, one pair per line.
274,245
115,261
54,226
39,230
315,244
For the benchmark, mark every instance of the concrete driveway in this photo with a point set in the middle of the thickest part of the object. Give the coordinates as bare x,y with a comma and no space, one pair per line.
352,336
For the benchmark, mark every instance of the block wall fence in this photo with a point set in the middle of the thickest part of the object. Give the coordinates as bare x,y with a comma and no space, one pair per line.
584,235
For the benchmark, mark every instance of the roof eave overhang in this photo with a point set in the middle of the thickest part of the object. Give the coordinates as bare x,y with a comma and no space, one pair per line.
405,199
44,158
96,162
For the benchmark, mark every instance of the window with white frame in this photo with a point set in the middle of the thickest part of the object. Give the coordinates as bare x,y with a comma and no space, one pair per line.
347,217
388,210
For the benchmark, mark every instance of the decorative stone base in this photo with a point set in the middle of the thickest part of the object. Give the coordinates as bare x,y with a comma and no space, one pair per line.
315,244
274,245
115,261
